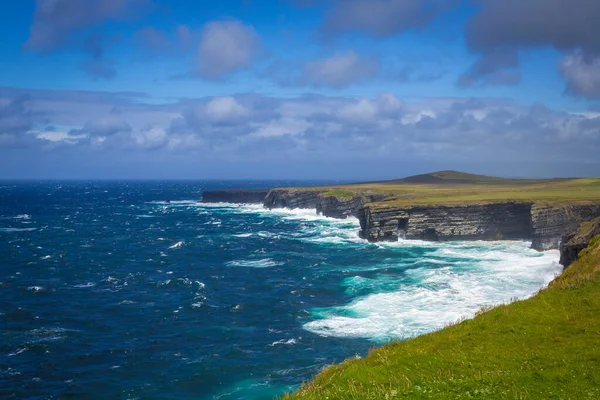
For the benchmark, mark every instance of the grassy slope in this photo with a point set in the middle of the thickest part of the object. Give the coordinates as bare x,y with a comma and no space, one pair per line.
455,187
546,347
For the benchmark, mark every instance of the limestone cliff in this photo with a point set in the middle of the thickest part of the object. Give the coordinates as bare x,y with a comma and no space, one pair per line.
545,224
575,242
551,222
292,198
493,221
323,201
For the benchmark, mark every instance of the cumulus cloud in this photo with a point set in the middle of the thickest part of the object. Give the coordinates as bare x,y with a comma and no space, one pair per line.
339,70
582,74
224,109
15,116
55,22
226,47
502,27
322,129
62,24
382,17
563,24
106,126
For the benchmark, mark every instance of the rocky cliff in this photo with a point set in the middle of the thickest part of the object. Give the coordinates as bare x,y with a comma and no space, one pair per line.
292,198
551,222
544,224
575,242
235,196
324,202
493,221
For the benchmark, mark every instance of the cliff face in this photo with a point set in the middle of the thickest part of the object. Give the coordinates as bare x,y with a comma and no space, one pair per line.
544,224
336,207
291,198
575,242
551,222
495,221
235,196
325,204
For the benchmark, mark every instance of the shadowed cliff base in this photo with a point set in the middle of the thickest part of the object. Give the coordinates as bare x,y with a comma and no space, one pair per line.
545,347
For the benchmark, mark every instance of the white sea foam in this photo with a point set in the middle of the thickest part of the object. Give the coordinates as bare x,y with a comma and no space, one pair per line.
176,245
264,263
85,285
243,235
284,342
9,230
493,273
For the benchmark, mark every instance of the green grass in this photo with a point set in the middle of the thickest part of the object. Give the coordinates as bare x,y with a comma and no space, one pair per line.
340,194
546,347
454,187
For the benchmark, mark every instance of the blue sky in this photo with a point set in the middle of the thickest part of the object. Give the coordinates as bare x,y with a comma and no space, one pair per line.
335,89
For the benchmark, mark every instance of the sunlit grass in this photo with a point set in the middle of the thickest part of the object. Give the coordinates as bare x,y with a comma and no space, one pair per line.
458,189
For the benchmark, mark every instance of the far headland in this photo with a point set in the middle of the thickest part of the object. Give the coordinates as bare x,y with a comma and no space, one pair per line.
446,206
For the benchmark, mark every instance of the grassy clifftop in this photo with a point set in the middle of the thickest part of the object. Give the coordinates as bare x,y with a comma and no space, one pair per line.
446,187
546,347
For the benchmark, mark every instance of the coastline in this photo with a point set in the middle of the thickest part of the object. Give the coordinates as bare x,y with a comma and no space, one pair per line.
544,224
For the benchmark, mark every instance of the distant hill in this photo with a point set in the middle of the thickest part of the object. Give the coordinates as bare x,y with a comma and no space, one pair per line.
451,177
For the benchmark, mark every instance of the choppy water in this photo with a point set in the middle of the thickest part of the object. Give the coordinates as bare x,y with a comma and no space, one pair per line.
109,291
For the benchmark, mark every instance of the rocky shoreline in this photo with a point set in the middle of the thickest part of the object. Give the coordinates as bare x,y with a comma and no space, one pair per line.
546,225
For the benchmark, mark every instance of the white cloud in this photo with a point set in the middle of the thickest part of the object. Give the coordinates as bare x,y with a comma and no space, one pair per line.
222,109
339,70
582,75
226,47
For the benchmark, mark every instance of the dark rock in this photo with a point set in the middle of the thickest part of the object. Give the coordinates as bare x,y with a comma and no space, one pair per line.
551,222
575,242
494,221
319,199
292,198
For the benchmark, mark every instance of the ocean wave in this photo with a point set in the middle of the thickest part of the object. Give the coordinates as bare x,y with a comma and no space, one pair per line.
85,285
284,342
10,230
264,263
176,245
429,298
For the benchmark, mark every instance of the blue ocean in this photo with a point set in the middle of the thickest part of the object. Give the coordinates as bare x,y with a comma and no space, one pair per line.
135,290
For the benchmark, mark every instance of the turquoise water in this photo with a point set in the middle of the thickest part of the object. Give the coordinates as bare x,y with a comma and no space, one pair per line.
135,290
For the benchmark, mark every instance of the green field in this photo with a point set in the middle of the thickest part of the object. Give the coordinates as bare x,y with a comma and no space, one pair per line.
456,187
546,347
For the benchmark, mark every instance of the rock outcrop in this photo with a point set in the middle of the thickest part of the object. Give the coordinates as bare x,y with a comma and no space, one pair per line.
292,198
575,242
493,221
325,203
551,222
235,196
544,224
